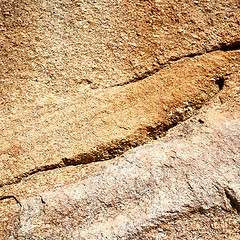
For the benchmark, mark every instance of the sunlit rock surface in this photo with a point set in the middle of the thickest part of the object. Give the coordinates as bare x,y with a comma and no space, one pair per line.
119,119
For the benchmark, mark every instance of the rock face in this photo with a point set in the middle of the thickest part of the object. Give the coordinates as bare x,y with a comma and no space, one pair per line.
59,46
94,125
119,119
193,170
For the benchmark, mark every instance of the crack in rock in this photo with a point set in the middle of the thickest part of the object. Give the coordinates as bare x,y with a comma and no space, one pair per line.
235,45
142,135
11,197
233,200
118,147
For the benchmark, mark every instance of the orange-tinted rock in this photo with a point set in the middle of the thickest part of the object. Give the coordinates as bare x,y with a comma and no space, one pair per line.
85,81
99,124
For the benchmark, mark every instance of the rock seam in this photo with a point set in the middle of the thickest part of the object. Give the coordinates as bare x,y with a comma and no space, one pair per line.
118,147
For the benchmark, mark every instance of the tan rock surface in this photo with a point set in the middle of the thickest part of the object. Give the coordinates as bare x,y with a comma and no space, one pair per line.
96,124
188,179
59,46
85,81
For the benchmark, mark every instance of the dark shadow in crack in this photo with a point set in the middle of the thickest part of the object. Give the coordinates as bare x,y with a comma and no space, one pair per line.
141,136
117,147
220,82
11,197
230,46
235,204
235,45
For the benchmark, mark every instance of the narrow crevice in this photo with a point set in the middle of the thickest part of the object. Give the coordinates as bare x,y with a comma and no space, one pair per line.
234,202
230,46
114,148
32,172
118,147
43,204
42,201
235,45
141,136
141,77
11,197
220,82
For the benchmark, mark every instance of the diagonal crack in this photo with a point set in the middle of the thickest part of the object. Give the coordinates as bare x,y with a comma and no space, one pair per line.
235,45
231,196
32,172
118,147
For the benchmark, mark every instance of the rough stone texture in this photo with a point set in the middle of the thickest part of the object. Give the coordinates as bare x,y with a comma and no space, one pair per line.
82,82
148,193
96,124
59,46
66,68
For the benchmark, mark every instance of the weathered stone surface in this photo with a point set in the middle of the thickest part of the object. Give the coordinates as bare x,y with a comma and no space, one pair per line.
59,46
50,50
193,170
85,81
97,124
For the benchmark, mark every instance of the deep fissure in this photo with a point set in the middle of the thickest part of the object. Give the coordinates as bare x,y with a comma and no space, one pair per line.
220,82
235,204
230,46
113,149
118,147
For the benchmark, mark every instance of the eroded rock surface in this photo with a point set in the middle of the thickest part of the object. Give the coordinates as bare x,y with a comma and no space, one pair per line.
59,46
194,169
82,83
100,124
